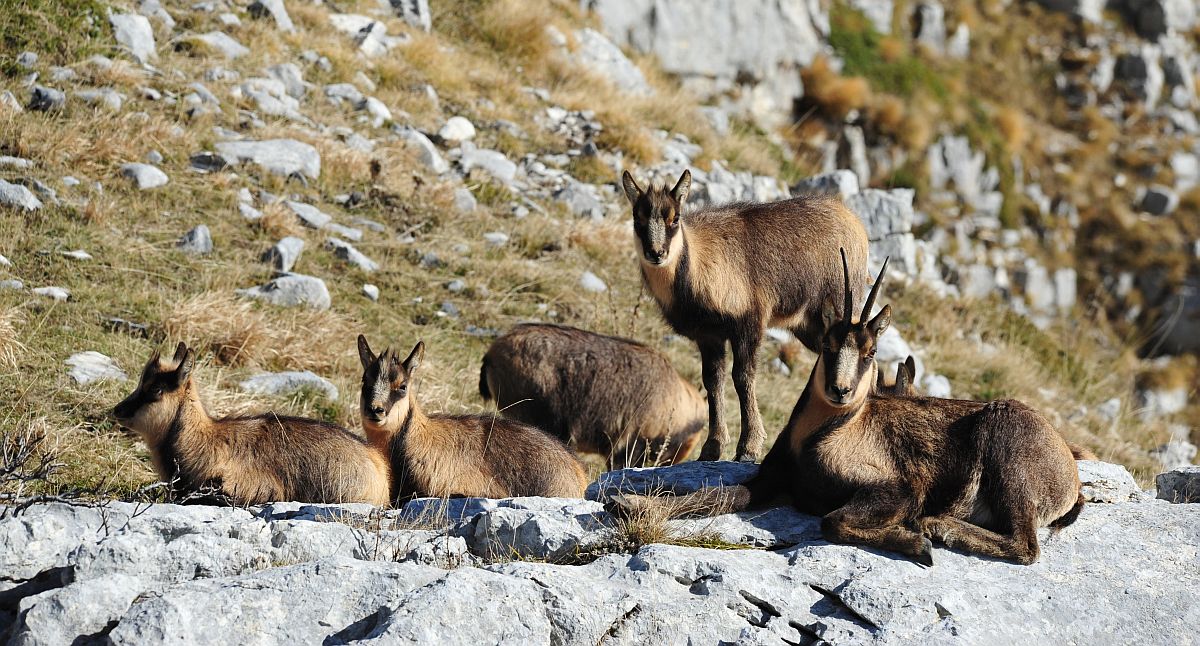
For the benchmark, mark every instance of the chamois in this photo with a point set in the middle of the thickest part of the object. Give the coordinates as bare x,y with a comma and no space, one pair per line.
600,394
253,459
893,472
723,274
456,455
905,385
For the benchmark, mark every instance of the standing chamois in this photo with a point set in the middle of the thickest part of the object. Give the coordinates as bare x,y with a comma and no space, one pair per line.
253,459
600,394
439,456
723,274
893,472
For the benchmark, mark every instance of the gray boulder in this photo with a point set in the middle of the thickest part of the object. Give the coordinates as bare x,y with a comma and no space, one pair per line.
46,99
309,215
280,156
414,12
288,383
106,98
581,200
91,366
292,78
144,176
283,255
221,43
67,614
598,54
291,290
842,183
196,241
135,34
457,129
1179,485
17,196
154,9
277,11
492,162
346,251
888,218
427,153
930,19
464,200
1106,482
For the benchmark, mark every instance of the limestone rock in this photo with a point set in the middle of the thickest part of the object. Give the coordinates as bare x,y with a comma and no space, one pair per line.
91,366
346,251
196,241
221,43
598,54
427,153
280,156
1179,485
18,197
291,290
1105,482
284,254
276,9
135,34
457,129
53,292
493,162
288,383
414,12
842,183
46,99
592,283
144,176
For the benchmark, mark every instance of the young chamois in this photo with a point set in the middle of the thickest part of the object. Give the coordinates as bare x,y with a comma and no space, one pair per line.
905,385
893,472
600,394
723,274
456,455
253,459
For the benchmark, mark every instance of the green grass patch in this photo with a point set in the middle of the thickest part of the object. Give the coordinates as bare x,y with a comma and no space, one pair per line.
855,40
60,32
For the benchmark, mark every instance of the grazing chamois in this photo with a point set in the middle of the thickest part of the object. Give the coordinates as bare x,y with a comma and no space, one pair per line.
253,459
893,472
438,456
600,394
723,274
905,382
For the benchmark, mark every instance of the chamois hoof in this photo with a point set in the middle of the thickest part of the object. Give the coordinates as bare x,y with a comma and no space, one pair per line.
748,458
711,452
925,556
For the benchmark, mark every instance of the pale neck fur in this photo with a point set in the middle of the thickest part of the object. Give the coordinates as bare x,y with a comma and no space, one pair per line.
192,419
818,410
660,279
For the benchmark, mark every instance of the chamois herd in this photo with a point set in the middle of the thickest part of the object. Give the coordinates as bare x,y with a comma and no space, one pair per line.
884,466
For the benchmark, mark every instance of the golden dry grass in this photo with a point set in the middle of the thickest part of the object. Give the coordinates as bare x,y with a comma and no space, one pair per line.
835,94
11,347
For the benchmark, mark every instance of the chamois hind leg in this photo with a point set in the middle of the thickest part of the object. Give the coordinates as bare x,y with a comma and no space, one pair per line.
1021,546
712,356
875,517
745,351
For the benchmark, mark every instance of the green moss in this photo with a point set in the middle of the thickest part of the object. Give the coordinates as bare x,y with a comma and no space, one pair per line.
59,31
857,43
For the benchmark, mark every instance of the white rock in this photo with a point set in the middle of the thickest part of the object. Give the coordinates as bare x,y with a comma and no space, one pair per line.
457,129
56,293
77,254
222,43
144,176
291,290
91,366
598,54
106,98
7,161
5,262
496,238
311,216
279,156
288,383
592,283
68,614
276,9
196,241
426,151
380,114
18,197
491,161
1174,454
135,34
284,254
346,251
935,385
1105,482
843,183
154,9
370,291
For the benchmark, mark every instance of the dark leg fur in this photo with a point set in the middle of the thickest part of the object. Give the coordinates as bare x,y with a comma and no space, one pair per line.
1071,515
745,350
875,518
1021,547
712,355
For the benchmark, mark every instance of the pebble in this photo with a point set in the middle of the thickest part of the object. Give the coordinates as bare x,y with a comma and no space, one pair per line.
370,291
592,283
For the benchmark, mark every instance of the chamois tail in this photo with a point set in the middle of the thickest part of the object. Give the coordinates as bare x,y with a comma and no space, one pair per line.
1071,515
484,391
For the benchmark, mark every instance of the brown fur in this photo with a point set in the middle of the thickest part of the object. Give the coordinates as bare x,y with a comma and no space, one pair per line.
600,394
893,472
722,274
252,460
456,455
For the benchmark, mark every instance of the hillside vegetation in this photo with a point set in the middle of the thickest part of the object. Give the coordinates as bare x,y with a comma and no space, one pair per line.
495,63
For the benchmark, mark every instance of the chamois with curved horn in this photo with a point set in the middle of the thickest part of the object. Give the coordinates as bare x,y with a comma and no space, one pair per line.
722,274
894,472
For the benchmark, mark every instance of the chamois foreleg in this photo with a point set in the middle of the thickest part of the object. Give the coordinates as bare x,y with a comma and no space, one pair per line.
1021,546
712,356
745,353
875,517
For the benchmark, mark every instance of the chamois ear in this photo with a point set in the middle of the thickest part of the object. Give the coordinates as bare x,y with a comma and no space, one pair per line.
414,358
902,378
632,190
910,368
881,321
680,192
829,314
364,352
186,363
180,351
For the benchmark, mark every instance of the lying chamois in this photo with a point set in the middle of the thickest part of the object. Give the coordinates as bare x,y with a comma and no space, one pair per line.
905,385
600,394
456,455
893,472
251,460
905,382
723,274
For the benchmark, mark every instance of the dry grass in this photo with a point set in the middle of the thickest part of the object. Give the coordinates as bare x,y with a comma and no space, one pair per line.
11,347
836,95
1013,128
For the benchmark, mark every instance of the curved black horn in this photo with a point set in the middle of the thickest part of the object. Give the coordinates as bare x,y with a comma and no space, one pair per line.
849,306
866,313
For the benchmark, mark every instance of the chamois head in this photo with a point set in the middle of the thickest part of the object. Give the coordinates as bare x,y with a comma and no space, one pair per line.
656,216
151,408
387,388
906,378
847,361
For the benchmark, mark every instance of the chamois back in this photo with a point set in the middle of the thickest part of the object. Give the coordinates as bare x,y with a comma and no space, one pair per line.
600,394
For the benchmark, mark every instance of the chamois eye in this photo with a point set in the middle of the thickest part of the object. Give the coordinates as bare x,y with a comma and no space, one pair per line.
402,390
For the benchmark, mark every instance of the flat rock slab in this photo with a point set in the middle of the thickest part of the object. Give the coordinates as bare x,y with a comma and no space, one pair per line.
280,156
287,383
291,290
1180,485
91,366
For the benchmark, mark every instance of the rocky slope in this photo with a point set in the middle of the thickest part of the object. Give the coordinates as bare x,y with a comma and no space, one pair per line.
492,571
